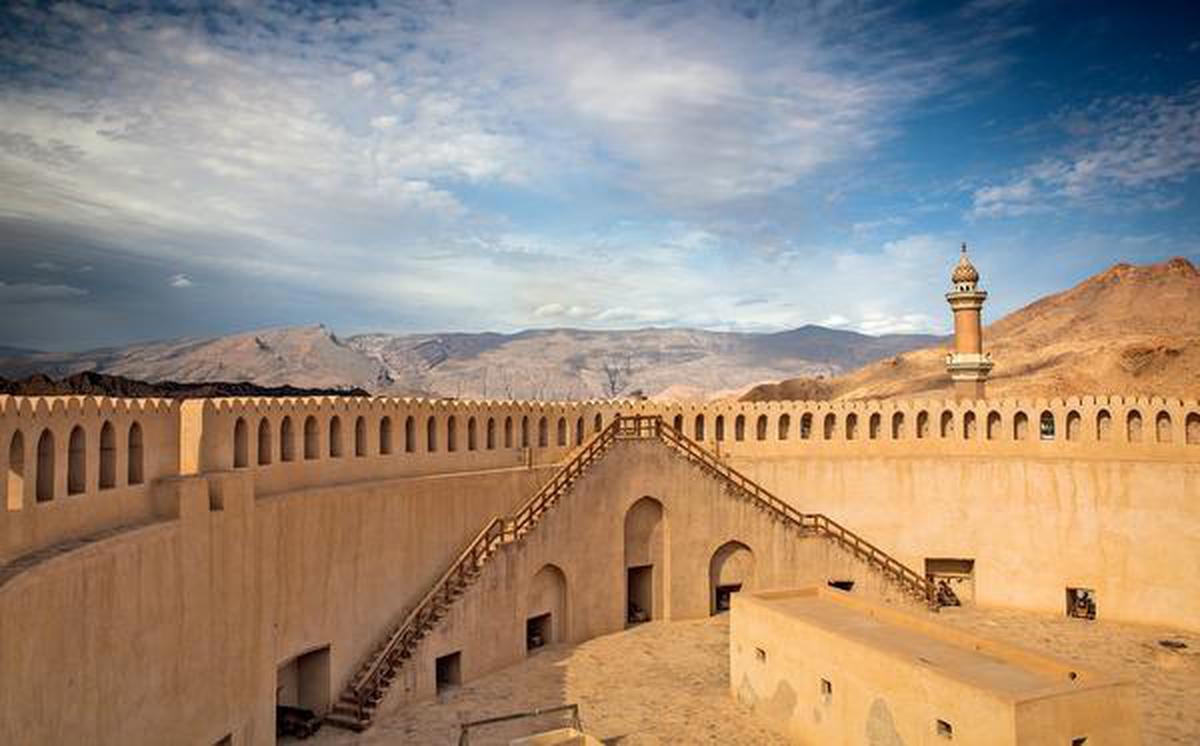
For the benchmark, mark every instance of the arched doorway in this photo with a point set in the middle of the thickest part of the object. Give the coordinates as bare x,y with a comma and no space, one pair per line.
546,609
645,561
730,570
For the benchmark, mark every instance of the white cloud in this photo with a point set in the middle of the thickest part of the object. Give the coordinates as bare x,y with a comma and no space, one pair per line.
1122,153
28,292
351,162
179,281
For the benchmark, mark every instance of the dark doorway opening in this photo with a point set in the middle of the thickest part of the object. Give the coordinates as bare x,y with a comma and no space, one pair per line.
448,670
841,585
724,597
640,592
537,632
302,691
953,579
1081,603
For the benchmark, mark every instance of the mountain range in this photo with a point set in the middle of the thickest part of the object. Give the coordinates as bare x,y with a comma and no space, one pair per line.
536,364
1131,329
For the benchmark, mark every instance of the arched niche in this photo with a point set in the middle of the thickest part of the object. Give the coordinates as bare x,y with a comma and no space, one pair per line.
645,561
730,570
546,610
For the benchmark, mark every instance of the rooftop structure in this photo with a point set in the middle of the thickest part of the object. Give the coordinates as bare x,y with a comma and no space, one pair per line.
845,667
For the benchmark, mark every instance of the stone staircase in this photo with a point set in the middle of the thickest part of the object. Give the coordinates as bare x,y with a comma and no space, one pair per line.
355,707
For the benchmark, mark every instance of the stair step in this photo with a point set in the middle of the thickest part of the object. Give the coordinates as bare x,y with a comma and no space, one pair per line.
339,720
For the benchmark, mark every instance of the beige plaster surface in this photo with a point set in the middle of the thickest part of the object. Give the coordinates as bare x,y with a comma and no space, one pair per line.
668,682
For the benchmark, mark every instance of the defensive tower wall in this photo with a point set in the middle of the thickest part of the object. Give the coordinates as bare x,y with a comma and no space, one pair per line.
161,560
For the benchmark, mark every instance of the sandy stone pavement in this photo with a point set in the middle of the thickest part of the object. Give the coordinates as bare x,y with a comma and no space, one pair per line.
1168,680
667,683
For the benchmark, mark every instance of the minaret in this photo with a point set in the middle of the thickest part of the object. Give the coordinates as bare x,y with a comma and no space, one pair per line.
968,365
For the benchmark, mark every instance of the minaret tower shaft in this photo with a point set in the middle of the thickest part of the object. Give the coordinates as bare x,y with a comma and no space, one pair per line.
968,365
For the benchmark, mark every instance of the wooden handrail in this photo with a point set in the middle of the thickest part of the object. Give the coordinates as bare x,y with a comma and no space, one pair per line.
494,533
481,540
500,530
909,578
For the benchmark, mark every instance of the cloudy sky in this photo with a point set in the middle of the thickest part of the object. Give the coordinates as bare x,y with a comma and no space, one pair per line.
425,166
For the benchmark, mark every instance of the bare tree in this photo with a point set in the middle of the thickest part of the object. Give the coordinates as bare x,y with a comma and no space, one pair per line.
617,374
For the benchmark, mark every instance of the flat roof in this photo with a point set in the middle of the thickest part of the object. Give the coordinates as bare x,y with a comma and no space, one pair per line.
986,664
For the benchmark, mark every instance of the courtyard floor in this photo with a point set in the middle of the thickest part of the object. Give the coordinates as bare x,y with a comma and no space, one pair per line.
667,683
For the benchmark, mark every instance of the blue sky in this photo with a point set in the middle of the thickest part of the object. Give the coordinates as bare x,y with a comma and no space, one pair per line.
168,170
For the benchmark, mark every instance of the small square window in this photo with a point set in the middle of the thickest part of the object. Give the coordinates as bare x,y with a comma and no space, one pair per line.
945,730
1079,741
761,655
826,691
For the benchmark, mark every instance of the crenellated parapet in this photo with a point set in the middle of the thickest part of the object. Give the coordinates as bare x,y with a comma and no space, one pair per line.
76,464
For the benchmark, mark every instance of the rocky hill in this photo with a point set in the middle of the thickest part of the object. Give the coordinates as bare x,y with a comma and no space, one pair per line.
539,364
1129,329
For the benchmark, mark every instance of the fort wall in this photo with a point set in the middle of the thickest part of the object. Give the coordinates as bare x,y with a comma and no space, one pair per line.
159,560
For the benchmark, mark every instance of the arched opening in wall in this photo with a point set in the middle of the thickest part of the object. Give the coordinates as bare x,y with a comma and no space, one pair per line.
739,427
287,440
431,434
77,462
431,438
15,475
524,432
335,437
579,431
508,432
1133,426
452,433
264,442
760,428
993,426
1162,427
730,571
490,436
698,430
1074,426
969,426
720,427
946,429
1046,426
897,426
562,431
1103,425
45,467
597,423
1020,426
241,444
136,456
806,426
830,426
472,436
311,450
784,426
922,424
1193,429
677,423
543,432
108,456
645,556
410,435
385,436
851,426
360,437
873,426
546,609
